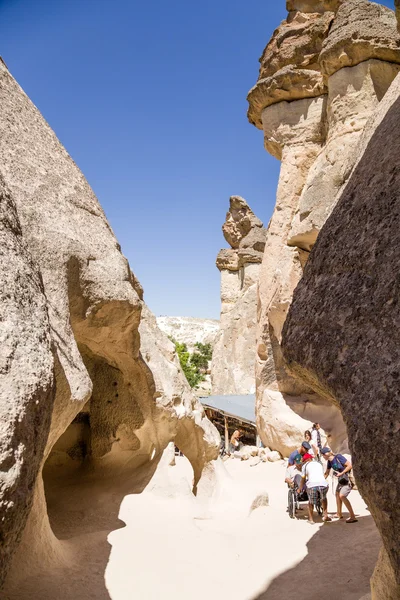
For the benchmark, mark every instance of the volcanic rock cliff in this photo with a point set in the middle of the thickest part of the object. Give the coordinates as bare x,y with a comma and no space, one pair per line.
91,389
233,364
338,198
322,76
342,334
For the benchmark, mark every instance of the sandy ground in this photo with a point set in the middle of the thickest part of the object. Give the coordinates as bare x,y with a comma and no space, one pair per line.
170,545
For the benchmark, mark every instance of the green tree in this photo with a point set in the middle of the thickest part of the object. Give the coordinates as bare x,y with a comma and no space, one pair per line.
199,361
192,371
205,350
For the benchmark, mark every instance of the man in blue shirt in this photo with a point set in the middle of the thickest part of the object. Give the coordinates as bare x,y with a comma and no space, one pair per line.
305,447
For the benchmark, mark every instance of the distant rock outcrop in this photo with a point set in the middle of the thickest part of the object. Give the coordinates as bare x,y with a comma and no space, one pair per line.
322,76
73,365
233,364
190,331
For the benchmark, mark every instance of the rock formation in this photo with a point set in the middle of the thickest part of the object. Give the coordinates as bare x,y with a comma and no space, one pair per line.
80,386
342,333
190,429
26,376
189,330
233,364
322,75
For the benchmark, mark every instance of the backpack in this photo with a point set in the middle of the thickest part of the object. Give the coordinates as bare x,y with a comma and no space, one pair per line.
342,479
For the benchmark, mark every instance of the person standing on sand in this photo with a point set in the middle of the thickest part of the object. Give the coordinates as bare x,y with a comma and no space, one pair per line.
341,467
314,449
312,476
316,438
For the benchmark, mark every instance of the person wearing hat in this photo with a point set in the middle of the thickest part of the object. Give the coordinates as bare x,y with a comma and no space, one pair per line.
341,467
305,447
312,476
293,472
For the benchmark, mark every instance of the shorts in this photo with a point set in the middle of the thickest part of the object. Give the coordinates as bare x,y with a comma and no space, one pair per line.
344,490
317,492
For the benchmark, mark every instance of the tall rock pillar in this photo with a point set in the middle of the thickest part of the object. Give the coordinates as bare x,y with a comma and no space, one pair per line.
322,75
289,104
233,364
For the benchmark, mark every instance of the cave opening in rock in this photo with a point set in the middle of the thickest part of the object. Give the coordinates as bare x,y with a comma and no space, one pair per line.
99,458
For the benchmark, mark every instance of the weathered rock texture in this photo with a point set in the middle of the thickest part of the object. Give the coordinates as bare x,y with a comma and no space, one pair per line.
26,376
71,310
184,415
342,334
362,30
322,76
233,364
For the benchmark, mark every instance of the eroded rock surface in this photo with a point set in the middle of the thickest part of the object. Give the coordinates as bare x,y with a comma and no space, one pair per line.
70,290
233,364
187,424
342,334
26,378
361,30
312,101
290,68
313,6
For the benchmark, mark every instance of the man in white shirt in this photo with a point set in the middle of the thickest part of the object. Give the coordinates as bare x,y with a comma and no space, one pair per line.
313,477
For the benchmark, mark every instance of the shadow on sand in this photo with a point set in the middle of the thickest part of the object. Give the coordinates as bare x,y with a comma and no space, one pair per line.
83,511
339,564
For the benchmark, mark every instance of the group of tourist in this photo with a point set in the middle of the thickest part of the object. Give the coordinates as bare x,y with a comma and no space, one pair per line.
307,474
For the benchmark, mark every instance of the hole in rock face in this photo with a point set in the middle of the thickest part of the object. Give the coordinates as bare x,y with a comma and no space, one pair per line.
83,505
74,442
84,496
99,458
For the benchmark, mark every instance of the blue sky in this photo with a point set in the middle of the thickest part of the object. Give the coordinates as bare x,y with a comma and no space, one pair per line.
149,98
